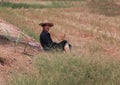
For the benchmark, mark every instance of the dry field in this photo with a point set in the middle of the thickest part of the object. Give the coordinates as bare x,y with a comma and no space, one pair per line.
84,25
93,29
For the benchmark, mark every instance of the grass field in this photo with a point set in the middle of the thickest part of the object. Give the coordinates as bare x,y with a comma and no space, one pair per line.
66,69
91,27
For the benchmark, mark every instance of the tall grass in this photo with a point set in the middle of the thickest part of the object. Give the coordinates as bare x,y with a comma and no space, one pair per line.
66,69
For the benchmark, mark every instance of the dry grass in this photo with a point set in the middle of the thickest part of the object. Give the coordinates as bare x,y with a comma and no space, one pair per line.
91,29
74,22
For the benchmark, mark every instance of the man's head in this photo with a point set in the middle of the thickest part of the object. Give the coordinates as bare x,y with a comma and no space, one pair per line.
46,26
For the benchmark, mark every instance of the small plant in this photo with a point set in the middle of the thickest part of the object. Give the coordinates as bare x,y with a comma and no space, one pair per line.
18,40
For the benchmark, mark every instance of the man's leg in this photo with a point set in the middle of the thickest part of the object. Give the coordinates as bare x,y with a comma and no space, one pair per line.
64,45
67,48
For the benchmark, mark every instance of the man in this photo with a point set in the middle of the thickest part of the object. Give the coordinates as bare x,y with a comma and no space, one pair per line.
47,42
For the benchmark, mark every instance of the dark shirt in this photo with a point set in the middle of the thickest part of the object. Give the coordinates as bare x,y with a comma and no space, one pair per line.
45,40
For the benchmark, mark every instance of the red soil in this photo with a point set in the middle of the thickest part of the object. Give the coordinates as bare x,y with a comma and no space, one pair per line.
13,58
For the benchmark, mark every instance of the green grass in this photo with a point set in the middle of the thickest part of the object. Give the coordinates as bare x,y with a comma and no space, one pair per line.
66,69
54,4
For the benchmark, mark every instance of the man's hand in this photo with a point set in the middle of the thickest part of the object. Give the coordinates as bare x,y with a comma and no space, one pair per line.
63,37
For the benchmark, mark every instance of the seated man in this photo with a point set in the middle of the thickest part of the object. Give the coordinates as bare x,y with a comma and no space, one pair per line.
46,41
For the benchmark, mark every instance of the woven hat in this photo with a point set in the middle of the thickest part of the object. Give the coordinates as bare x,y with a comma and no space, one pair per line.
46,23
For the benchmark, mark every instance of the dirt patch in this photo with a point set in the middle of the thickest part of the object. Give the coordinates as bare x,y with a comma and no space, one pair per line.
3,40
15,58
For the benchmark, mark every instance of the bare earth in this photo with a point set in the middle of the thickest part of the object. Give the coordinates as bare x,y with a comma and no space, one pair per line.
13,58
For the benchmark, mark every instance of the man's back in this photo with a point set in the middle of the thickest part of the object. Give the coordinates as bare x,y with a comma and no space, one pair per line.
46,40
